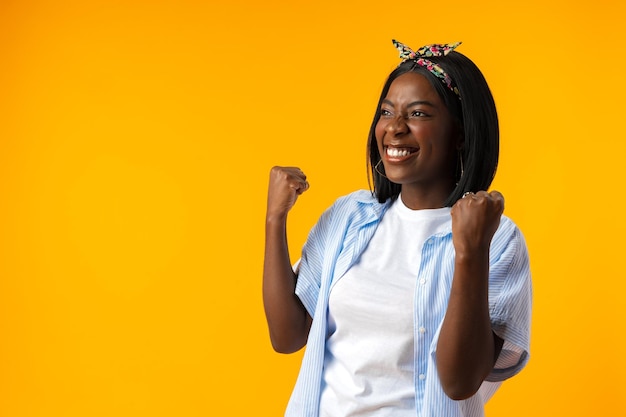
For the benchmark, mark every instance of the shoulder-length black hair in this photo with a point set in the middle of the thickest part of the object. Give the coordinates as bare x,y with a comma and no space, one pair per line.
475,113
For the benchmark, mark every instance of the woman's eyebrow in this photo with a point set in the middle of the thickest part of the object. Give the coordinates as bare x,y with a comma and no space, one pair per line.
414,103
421,103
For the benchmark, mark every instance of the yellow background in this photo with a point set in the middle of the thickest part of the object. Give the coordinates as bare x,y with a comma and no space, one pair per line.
135,141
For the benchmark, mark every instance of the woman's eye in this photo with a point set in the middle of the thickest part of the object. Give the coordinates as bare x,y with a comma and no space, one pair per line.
385,112
417,113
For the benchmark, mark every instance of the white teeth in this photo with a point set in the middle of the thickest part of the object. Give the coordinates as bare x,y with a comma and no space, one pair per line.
395,152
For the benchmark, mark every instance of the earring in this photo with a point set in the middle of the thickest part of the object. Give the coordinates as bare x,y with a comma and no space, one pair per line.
378,170
462,170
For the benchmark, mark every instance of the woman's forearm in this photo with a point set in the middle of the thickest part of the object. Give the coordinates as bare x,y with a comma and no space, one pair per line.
287,319
467,347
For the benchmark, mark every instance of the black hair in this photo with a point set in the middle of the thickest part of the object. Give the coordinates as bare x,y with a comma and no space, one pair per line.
475,114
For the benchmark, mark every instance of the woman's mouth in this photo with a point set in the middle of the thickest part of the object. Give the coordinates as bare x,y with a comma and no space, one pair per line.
399,154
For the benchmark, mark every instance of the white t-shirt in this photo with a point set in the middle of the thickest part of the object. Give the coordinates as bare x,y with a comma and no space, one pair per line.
369,357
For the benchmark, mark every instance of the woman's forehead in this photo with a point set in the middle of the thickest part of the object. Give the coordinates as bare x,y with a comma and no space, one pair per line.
412,86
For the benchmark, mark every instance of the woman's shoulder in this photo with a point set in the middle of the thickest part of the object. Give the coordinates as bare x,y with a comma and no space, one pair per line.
358,197
357,204
508,232
360,200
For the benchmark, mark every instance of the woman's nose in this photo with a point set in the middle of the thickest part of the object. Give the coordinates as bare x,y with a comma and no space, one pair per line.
397,125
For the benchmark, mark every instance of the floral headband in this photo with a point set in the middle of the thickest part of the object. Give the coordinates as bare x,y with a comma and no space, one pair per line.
419,57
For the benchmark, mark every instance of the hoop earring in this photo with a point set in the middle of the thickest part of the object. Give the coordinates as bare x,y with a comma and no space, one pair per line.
378,170
462,170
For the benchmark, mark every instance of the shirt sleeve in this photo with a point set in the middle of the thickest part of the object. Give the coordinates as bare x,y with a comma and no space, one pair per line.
510,299
309,267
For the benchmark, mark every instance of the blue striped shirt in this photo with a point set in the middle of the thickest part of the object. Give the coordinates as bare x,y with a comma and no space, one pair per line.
335,244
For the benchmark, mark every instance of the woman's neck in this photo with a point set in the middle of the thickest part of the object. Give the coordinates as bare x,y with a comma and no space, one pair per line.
418,198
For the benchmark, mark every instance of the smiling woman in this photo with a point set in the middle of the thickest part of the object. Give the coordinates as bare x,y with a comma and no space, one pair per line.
414,298
467,109
418,141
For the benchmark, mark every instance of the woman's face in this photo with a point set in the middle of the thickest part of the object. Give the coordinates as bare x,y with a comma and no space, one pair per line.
417,137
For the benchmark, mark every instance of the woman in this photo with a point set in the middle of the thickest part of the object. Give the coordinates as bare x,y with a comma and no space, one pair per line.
413,299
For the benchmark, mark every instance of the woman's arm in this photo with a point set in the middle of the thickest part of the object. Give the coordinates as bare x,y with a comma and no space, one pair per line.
467,348
287,319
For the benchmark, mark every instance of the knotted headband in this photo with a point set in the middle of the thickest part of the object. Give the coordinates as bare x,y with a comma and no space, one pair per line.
419,57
